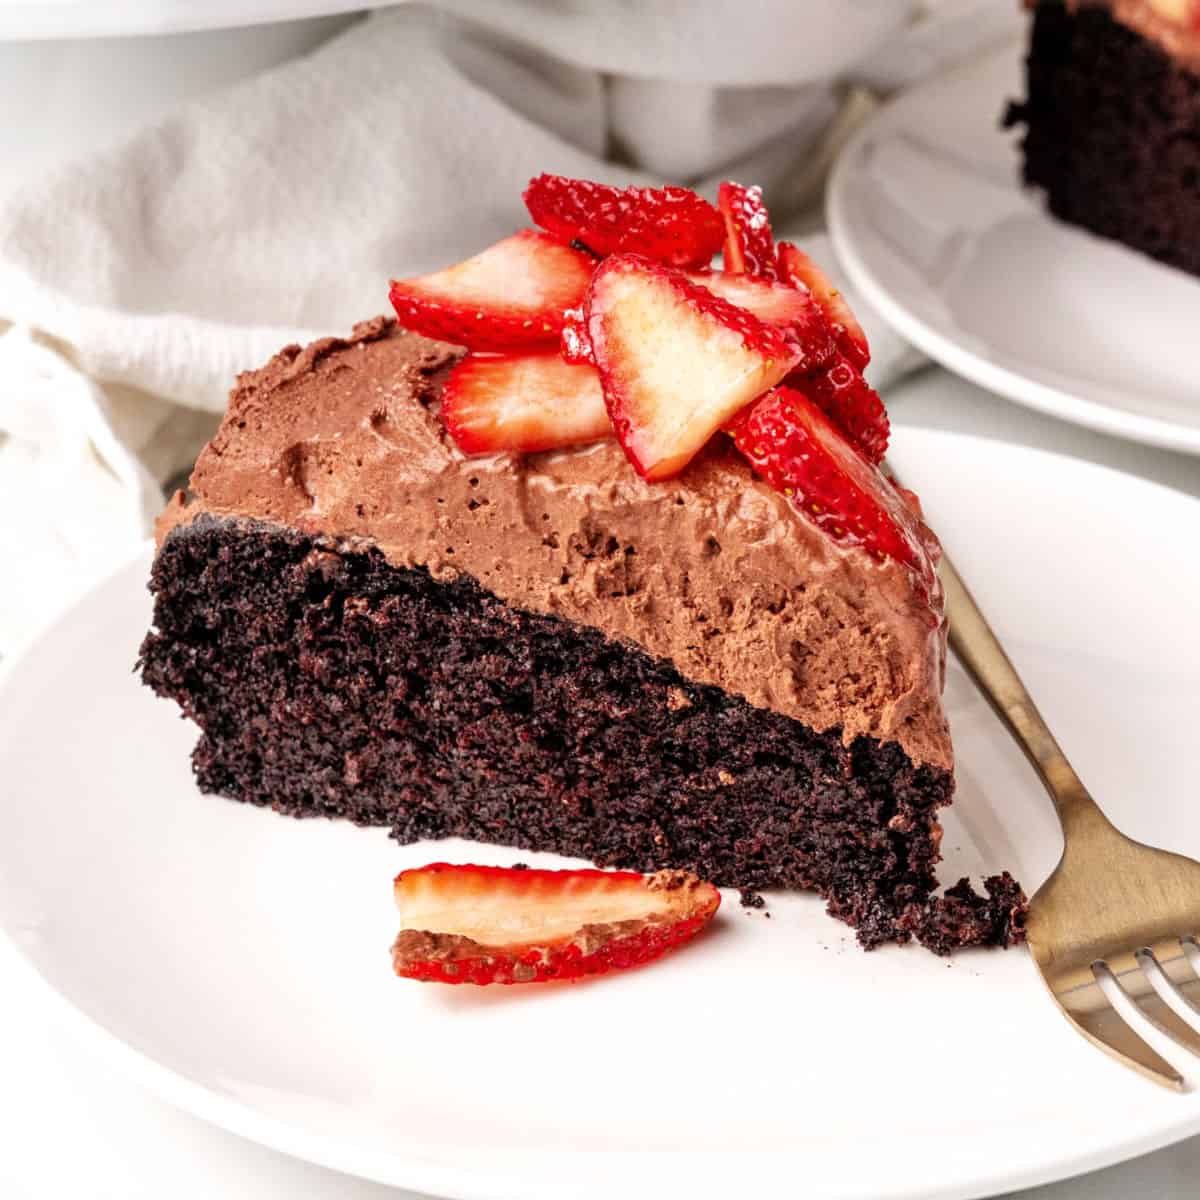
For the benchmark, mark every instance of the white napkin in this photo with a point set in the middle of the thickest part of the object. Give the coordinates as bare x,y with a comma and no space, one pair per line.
135,284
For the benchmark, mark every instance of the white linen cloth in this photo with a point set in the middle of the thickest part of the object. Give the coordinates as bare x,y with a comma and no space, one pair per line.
136,283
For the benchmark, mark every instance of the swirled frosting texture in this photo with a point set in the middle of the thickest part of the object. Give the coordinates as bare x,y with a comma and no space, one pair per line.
713,571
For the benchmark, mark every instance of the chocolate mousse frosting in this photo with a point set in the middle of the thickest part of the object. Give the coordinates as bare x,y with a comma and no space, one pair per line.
713,571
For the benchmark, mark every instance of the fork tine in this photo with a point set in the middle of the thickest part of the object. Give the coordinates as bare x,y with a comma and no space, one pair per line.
1181,970
1135,984
1089,1010
1161,1014
1173,962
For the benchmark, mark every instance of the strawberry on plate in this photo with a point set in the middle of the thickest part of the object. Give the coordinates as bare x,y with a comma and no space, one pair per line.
799,270
471,924
749,246
671,225
676,361
522,403
509,297
794,446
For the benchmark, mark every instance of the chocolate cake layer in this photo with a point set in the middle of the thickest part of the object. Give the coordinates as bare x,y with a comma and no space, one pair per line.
328,681
1112,130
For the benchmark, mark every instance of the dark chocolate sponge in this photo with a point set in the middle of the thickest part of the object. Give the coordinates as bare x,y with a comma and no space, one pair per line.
1112,133
328,682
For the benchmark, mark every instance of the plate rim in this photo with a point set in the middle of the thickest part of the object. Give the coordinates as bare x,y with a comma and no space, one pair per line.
406,1169
81,19
944,349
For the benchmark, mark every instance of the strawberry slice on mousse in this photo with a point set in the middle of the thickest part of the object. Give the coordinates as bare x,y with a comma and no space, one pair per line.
671,225
794,446
851,403
775,303
509,297
482,925
838,388
676,361
523,403
798,269
749,246
834,381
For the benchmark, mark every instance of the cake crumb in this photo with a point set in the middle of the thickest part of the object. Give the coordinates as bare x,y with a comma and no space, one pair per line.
751,899
520,867
961,917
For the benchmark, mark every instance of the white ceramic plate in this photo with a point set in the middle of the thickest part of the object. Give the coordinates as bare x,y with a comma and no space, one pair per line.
933,227
237,961
21,19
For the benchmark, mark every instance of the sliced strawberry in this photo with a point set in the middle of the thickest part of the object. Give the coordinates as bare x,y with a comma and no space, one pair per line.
911,499
798,269
469,924
509,297
523,403
671,225
928,538
749,245
771,301
576,346
777,304
851,403
799,452
675,360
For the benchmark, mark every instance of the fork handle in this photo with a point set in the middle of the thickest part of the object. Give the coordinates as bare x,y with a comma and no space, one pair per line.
980,652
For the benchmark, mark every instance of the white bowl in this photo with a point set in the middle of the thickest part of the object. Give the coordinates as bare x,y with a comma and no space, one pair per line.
64,96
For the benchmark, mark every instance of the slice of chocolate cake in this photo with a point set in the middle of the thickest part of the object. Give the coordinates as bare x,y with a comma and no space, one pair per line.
1112,120
547,652
647,600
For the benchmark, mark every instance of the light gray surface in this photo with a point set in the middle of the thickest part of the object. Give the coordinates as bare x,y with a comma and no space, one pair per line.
74,1128
935,399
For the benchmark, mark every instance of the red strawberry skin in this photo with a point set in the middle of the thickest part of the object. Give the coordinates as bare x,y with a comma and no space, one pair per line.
509,297
799,270
790,442
911,499
676,361
852,404
749,246
522,403
671,225
500,925
777,304
933,547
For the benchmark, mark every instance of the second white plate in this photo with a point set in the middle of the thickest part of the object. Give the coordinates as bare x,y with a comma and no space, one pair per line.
933,227
237,961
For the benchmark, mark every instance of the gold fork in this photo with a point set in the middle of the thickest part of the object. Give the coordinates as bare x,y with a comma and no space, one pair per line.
1113,909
